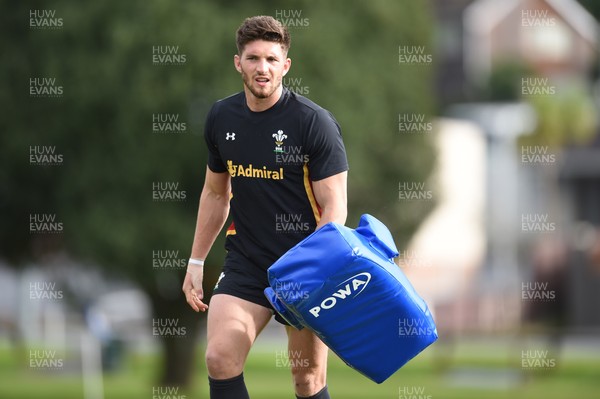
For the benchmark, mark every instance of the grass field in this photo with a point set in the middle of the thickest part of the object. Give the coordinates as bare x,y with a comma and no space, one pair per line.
474,372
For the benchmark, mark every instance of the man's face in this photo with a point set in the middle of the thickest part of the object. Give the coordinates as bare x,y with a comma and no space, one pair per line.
263,65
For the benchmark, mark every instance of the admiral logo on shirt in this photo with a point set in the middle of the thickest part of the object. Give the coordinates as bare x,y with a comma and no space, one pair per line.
250,171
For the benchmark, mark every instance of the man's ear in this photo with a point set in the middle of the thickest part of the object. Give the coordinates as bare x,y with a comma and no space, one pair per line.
236,63
286,66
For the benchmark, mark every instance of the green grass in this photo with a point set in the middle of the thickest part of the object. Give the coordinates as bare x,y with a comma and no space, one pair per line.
573,378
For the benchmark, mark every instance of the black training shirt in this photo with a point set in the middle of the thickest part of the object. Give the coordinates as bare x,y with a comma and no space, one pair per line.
272,157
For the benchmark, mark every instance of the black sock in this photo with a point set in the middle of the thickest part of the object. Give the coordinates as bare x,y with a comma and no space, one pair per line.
322,394
231,388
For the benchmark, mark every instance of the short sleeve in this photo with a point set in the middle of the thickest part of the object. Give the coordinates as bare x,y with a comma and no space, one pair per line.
324,146
215,163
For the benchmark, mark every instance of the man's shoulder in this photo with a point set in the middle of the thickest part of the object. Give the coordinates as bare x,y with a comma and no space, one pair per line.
228,101
226,104
304,102
223,108
307,106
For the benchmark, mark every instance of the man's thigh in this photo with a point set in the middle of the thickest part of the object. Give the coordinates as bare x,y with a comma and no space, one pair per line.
233,325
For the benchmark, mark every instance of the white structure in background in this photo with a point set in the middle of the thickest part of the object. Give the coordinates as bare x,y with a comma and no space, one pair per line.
50,302
42,321
449,247
501,125
465,254
73,312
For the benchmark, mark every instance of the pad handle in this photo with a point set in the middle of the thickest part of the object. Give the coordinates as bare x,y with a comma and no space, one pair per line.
280,307
378,236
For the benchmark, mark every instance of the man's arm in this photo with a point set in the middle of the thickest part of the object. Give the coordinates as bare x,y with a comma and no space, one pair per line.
212,214
331,195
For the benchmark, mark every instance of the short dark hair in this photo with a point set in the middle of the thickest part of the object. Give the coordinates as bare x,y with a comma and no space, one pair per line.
262,27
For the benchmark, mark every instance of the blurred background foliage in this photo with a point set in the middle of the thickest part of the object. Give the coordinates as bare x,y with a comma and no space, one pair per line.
567,118
102,125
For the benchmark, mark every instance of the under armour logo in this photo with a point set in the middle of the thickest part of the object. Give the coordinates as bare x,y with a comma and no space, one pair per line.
229,136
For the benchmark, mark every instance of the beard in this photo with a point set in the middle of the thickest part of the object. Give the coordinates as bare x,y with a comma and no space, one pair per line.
260,92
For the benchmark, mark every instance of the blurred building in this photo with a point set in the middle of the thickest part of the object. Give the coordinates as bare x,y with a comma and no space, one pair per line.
554,38
557,192
580,179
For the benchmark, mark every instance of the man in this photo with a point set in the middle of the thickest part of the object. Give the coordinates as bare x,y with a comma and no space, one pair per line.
277,161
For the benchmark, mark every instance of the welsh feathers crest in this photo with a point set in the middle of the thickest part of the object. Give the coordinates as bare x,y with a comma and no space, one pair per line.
279,137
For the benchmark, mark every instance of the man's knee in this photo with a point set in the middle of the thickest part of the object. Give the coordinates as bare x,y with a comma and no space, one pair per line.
222,363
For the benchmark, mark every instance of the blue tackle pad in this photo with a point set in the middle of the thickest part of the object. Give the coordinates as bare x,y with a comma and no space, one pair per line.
344,285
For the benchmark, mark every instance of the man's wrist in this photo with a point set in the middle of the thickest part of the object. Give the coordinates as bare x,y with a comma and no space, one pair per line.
195,266
196,261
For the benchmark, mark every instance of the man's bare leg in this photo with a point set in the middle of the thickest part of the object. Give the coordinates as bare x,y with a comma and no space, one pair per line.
233,325
308,357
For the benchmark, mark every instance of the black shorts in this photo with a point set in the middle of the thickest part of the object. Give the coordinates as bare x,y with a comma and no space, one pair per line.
243,279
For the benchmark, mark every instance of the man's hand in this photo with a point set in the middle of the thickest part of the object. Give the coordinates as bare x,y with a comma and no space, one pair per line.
192,288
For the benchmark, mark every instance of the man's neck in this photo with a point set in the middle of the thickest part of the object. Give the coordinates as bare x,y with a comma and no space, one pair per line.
262,104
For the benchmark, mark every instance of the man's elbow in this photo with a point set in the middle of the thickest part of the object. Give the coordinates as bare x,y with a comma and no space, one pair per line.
216,197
